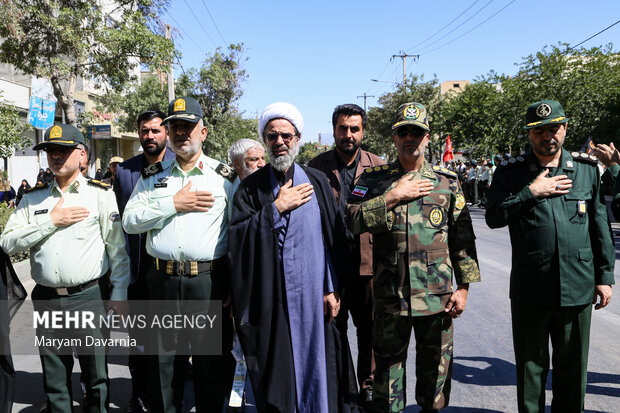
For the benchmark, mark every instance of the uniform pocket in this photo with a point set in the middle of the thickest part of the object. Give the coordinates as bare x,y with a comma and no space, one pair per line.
439,271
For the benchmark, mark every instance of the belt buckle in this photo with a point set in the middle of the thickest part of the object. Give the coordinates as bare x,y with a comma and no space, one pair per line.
62,291
181,268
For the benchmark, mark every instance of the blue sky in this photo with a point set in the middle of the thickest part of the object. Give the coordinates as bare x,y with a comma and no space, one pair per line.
318,54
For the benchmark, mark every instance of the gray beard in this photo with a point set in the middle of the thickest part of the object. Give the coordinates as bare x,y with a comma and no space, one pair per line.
283,162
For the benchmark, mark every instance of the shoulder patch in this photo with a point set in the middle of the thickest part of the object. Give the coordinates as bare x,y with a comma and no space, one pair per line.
99,184
585,158
152,169
512,161
444,171
226,171
37,187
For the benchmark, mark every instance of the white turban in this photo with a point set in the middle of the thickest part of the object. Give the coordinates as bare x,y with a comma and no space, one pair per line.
281,110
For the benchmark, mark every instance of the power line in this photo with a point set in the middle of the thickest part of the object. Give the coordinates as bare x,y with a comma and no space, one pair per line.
215,24
472,29
591,37
457,27
186,35
440,30
199,24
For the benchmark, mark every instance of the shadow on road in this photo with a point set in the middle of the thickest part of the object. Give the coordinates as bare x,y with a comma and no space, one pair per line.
455,409
599,383
484,371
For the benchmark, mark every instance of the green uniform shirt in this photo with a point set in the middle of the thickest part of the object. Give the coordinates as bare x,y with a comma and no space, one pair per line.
417,244
186,236
561,246
75,254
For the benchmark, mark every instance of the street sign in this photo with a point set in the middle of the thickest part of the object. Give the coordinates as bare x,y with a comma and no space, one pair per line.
41,113
101,132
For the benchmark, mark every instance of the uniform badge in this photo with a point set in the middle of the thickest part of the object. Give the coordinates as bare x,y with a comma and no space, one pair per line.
393,171
226,171
504,163
377,168
543,110
582,207
115,217
56,132
359,190
385,167
200,165
162,180
520,158
460,201
368,169
411,112
76,184
179,105
512,160
569,164
160,185
152,169
533,167
40,211
436,216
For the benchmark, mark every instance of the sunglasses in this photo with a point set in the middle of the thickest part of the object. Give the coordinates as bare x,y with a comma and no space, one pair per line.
404,131
286,137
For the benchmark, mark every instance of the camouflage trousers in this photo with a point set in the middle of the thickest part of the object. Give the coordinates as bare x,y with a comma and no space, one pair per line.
434,338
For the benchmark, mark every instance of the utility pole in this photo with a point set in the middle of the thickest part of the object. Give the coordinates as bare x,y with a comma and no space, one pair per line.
171,73
365,96
404,56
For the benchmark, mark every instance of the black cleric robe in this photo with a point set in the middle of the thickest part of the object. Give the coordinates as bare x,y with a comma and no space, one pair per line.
259,299
12,294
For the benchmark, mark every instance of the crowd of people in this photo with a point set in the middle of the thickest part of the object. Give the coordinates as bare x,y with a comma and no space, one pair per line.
291,250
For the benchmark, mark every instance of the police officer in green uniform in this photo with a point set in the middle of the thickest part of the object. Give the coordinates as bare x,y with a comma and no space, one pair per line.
72,228
562,258
422,232
183,205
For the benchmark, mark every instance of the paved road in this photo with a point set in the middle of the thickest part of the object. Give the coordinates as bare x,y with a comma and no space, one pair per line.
484,378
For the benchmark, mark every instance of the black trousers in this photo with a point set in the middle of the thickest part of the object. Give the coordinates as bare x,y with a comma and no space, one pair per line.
212,375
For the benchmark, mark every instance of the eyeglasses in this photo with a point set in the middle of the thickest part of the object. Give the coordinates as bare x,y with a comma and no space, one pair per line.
404,131
286,137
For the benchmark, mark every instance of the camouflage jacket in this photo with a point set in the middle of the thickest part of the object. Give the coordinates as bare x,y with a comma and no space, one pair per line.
417,243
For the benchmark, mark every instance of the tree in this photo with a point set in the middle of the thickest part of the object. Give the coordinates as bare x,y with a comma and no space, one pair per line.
309,151
64,40
378,136
12,129
217,87
488,116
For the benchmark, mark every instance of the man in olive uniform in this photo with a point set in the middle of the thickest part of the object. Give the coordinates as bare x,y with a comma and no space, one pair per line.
183,206
422,230
562,260
72,228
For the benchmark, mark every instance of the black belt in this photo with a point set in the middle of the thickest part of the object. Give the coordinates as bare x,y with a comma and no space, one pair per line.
187,268
72,290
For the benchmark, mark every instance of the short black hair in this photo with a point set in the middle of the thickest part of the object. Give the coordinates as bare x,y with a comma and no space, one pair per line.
150,114
349,109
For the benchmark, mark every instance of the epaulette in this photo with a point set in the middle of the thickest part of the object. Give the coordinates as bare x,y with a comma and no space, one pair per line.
444,171
375,169
152,169
99,184
512,161
584,158
37,187
226,171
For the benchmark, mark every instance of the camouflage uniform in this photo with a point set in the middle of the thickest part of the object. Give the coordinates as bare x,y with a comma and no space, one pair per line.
416,246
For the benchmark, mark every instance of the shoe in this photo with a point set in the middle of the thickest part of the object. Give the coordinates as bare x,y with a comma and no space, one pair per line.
83,403
136,405
45,407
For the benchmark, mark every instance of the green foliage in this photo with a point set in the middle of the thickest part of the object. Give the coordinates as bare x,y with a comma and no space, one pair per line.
5,213
488,116
309,151
65,39
378,134
12,129
149,94
217,86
